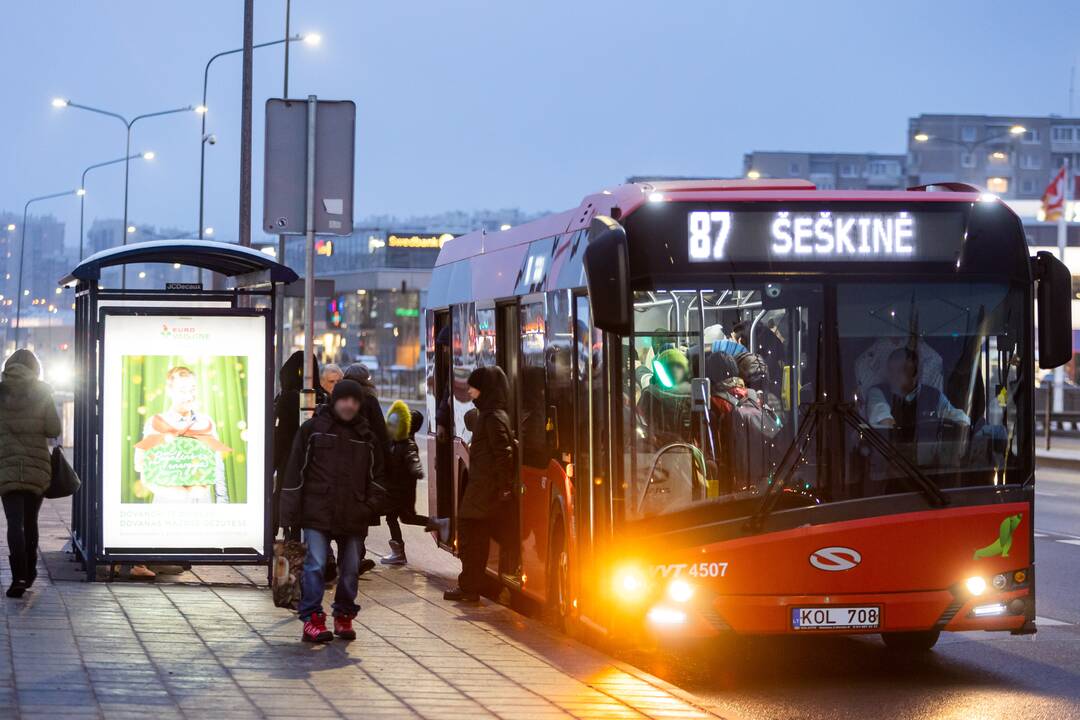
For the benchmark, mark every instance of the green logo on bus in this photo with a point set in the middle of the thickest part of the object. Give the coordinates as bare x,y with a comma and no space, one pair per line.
1001,546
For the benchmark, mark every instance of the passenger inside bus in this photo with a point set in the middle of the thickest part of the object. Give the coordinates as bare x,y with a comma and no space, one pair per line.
664,406
902,402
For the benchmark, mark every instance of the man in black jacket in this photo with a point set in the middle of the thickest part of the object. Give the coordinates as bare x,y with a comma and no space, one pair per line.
334,487
491,474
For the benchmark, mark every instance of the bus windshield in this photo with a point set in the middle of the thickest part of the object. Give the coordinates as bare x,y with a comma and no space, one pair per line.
719,382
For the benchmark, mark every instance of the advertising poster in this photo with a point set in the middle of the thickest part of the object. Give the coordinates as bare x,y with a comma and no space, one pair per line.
184,432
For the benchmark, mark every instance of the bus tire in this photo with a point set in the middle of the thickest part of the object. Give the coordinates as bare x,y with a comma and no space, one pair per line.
919,641
558,607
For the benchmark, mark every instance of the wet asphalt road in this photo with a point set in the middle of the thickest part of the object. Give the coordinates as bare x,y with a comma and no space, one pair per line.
968,675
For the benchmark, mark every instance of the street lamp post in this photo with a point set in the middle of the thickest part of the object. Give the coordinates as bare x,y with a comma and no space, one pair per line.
22,253
309,38
1012,133
128,124
82,189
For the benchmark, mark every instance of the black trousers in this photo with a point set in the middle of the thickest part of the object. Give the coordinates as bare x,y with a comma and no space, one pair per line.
394,520
21,508
474,544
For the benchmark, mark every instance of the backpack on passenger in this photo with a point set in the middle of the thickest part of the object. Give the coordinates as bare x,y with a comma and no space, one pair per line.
746,429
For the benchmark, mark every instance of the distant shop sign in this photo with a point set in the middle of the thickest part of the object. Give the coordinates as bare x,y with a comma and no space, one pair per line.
418,240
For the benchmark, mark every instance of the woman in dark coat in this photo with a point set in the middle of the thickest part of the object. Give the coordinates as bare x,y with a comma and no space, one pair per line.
28,418
491,473
287,423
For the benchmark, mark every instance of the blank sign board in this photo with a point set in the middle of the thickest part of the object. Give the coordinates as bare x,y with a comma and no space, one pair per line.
284,181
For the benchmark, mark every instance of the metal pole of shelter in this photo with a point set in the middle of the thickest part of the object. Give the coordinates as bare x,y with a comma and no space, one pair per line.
309,262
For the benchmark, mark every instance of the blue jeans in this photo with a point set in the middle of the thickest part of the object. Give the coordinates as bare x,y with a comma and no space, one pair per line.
312,585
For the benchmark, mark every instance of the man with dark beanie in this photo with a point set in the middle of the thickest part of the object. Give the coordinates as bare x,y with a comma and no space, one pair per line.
334,487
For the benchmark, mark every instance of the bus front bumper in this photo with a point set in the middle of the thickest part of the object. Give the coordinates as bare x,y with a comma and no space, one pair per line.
871,613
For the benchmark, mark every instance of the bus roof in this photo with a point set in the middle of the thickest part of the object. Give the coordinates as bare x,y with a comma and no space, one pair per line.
629,197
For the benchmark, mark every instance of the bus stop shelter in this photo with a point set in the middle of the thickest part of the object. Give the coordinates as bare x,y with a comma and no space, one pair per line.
173,408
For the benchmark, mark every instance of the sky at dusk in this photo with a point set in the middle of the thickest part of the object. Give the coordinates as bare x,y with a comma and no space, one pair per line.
490,103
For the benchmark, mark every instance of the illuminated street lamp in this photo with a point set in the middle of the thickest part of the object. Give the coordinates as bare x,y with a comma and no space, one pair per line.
1014,130
753,175
209,139
22,253
148,155
128,124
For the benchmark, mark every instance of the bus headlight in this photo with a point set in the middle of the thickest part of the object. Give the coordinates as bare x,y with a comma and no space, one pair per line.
975,585
680,591
999,582
661,615
630,585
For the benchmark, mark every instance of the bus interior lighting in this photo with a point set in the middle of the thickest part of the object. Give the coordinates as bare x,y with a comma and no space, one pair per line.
975,585
661,615
989,610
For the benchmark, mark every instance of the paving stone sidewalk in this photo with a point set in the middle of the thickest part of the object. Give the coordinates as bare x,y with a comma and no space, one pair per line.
211,644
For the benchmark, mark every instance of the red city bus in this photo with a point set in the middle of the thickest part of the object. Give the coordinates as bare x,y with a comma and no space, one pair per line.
757,407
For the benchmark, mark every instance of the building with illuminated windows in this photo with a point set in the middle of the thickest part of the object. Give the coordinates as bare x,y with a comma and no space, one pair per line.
830,171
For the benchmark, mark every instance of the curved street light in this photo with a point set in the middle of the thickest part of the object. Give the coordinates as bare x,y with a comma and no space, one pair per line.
128,124
22,253
148,155
307,38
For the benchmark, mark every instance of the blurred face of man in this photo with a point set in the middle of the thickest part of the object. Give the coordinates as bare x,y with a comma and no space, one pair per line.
329,379
183,392
901,373
346,408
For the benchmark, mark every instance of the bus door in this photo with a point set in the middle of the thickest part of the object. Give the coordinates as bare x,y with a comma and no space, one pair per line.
590,444
444,419
533,445
508,535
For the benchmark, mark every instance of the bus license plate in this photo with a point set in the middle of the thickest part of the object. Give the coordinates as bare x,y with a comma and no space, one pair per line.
835,618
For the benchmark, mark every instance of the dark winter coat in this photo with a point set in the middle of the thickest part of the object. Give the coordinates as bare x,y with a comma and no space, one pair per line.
491,452
287,406
403,467
28,419
335,479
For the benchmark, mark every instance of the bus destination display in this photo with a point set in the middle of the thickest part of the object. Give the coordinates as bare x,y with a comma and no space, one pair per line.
793,234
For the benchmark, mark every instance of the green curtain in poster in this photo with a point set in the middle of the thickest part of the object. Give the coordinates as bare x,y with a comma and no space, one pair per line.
221,391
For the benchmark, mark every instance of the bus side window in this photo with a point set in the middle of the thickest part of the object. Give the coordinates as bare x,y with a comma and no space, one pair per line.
464,364
533,399
559,368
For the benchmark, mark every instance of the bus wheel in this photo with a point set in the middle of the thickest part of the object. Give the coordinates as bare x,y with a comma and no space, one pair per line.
558,605
911,642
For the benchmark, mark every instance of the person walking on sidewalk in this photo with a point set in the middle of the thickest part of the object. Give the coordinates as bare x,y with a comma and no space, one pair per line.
403,471
491,471
28,419
334,487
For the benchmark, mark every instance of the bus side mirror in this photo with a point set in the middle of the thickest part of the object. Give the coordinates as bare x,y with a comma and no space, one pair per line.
1055,310
607,274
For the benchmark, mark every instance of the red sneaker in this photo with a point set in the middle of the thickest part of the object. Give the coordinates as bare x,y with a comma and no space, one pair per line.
315,629
343,627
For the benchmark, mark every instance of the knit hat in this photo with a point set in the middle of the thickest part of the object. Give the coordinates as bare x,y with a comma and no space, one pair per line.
347,389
